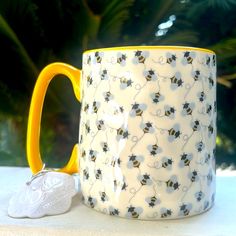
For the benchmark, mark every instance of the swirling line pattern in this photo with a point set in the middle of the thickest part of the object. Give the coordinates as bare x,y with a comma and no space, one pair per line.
147,132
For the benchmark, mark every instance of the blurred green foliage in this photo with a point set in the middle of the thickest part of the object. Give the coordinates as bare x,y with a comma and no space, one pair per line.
34,33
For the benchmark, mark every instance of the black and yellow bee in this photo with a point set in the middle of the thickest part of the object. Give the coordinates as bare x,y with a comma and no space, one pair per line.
137,109
145,179
85,174
196,125
115,161
166,163
196,75
134,212
147,127
201,96
154,149
150,75
171,58
86,107
185,209
113,211
134,161
214,60
172,184
210,130
199,196
81,139
83,153
207,158
98,174
104,74
100,125
140,57
209,109
157,97
176,81
200,146
89,60
208,60
122,133
188,108
103,196
108,96
174,133
211,82
152,201
89,80
188,57
92,201
92,155
105,147
87,127
124,186
186,159
121,58
121,109
98,57
124,82
165,213
193,176
169,111
95,107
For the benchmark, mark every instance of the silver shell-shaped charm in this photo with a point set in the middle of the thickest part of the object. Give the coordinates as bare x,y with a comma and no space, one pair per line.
48,193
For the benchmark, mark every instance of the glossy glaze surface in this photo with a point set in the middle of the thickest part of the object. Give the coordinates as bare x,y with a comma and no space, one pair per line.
147,132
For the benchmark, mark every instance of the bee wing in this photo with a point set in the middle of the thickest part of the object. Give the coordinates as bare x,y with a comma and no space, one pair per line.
140,158
192,54
145,53
135,60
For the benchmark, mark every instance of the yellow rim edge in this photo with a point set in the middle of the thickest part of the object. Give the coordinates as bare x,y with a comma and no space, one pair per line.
150,47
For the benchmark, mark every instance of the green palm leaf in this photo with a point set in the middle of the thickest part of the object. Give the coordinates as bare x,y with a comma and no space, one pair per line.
6,31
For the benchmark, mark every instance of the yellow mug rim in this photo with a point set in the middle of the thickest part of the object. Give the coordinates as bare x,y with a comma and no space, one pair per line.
150,48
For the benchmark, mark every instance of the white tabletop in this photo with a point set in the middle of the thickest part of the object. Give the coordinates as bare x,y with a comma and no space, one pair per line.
81,220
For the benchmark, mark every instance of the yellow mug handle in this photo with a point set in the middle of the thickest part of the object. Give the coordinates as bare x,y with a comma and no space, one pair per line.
35,113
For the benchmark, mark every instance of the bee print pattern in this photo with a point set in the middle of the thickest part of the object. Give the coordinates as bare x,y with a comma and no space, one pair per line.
137,109
140,57
113,211
185,209
165,213
121,59
167,163
172,184
135,161
150,75
125,83
174,133
176,81
134,212
171,59
156,97
188,57
169,111
147,132
185,160
154,149
98,57
152,201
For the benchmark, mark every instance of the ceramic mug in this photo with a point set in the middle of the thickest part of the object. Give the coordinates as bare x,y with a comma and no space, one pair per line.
147,129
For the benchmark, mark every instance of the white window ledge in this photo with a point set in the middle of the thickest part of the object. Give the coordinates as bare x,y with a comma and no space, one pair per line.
81,220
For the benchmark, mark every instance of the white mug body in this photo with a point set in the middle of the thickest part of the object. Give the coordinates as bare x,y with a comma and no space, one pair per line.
148,131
